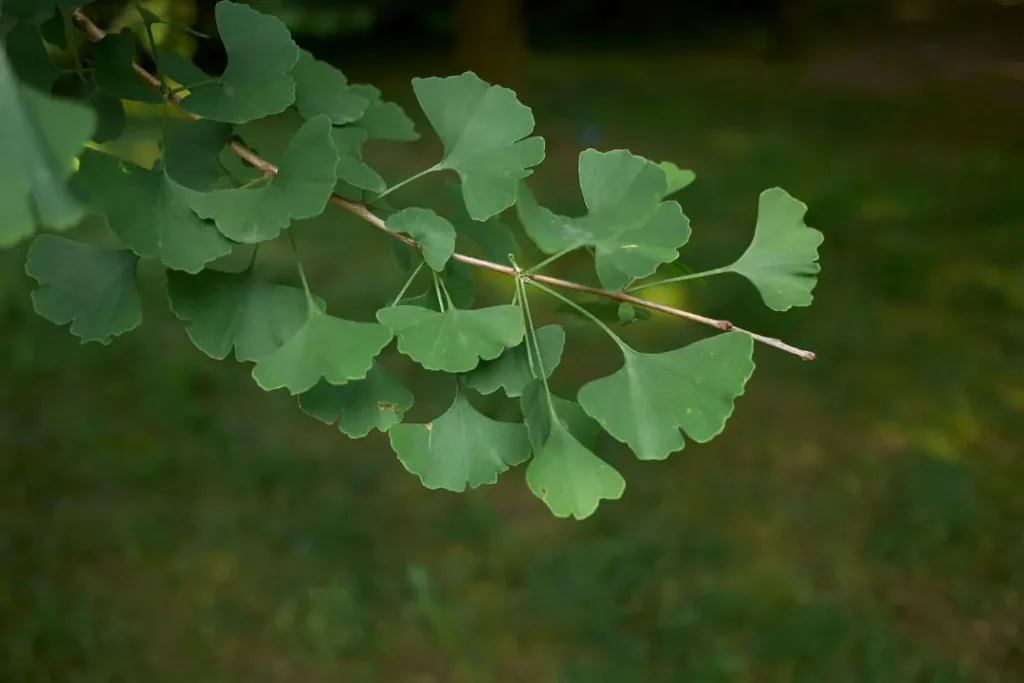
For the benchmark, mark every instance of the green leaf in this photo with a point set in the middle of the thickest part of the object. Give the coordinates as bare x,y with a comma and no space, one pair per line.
91,287
482,127
42,135
630,228
148,211
646,402
114,71
351,167
676,177
301,189
435,235
335,349
257,81
493,237
322,89
110,116
782,260
384,120
564,473
191,151
36,11
460,448
537,415
455,340
226,310
378,401
511,370
627,314
29,58
180,68
150,17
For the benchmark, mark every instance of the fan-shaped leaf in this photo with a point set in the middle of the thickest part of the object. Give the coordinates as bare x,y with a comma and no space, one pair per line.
483,128
384,120
352,169
460,448
29,58
511,370
647,401
114,71
36,10
434,234
455,340
322,89
493,237
782,260
377,401
677,178
91,287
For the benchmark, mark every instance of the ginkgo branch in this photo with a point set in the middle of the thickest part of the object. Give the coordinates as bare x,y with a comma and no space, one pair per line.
95,33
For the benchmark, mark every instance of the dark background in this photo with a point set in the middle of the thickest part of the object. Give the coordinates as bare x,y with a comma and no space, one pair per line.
861,518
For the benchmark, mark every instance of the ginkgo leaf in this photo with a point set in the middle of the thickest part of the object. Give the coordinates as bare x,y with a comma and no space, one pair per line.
226,310
460,448
782,259
36,11
511,370
42,135
483,128
148,211
630,227
434,234
564,473
322,89
114,71
301,188
29,57
455,340
349,140
335,349
377,401
257,81
654,395
384,120
493,237
93,288
677,178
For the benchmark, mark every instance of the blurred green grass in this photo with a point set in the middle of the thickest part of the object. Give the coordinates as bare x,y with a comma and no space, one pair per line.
860,519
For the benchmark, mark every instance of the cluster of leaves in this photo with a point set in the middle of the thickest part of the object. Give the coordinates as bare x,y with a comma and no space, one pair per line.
199,203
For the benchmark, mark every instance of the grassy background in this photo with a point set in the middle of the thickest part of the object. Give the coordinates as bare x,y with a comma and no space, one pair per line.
162,519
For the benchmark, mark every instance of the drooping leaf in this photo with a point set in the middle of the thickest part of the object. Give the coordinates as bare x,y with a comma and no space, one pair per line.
782,259
301,188
93,288
384,120
28,57
226,310
349,140
113,70
377,401
677,178
460,448
434,234
493,237
630,227
455,340
257,81
511,370
564,473
483,128
148,211
322,89
41,136
537,416
654,395
335,349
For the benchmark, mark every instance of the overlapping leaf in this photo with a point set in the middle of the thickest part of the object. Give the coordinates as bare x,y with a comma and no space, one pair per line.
348,140
454,340
782,259
113,70
257,81
494,239
301,188
511,370
42,135
564,473
434,234
327,347
647,401
631,228
322,89
384,120
377,401
29,58
460,448
676,178
484,129
36,10
92,288
239,310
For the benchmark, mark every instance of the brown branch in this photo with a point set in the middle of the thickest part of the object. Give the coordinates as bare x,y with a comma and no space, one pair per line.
94,33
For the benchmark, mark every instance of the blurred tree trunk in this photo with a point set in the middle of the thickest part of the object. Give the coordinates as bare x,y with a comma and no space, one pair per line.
491,40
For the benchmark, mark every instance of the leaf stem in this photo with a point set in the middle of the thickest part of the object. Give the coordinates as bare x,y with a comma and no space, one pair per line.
302,271
152,45
437,290
182,88
569,302
524,306
405,182
252,257
550,259
408,283
444,288
678,278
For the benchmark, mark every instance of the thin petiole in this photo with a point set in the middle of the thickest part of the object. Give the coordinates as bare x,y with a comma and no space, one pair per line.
678,278
444,288
550,259
408,283
252,257
437,290
302,271
405,182
569,302
182,88
524,307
